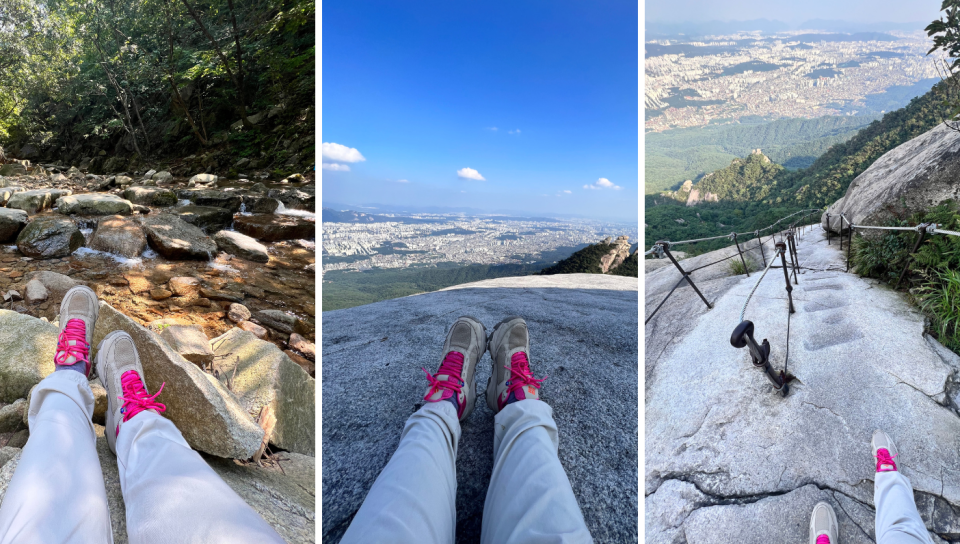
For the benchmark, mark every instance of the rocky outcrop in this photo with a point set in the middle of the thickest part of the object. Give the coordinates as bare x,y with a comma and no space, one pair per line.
263,377
583,331
174,238
190,342
617,255
49,237
119,235
37,200
694,198
273,228
914,176
242,246
11,223
206,413
94,204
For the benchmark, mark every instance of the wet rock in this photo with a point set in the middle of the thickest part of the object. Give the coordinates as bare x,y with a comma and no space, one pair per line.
273,228
49,237
301,344
174,238
202,179
184,286
207,218
204,411
295,199
94,204
242,246
238,313
11,416
258,188
261,375
27,346
119,235
226,296
306,364
190,342
163,177
253,329
262,205
56,284
36,292
216,199
277,320
13,169
11,223
150,196
7,192
37,200
123,181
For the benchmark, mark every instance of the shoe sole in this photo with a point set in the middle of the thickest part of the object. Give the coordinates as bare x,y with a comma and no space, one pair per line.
472,399
491,385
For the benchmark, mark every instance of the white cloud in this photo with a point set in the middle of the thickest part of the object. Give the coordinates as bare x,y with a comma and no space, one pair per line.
492,128
470,173
514,131
335,167
403,181
341,153
566,191
603,183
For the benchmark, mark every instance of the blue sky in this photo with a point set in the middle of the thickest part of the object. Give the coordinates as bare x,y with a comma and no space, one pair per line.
862,11
537,98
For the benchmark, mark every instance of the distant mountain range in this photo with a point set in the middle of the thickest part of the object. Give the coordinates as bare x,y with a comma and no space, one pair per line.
658,29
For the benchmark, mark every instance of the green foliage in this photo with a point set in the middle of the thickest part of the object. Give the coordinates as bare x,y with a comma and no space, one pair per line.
940,299
880,256
737,266
585,261
629,267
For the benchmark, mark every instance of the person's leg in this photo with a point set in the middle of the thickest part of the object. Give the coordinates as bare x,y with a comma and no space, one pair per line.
898,521
413,500
170,493
530,499
57,492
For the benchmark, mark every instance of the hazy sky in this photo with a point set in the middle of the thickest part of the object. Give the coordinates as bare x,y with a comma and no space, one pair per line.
498,105
792,11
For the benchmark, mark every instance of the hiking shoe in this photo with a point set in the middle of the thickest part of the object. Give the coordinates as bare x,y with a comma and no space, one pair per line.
456,379
121,373
884,450
823,525
511,379
78,316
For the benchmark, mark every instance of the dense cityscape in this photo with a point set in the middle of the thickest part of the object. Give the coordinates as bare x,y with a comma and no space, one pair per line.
426,239
790,75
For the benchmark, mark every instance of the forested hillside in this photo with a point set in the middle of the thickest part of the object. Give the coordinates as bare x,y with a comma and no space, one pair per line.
825,181
114,84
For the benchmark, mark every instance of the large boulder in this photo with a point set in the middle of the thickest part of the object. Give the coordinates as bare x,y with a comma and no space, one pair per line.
303,198
49,237
273,228
263,376
119,235
56,284
13,169
11,223
94,204
912,177
206,413
150,196
162,177
242,246
7,192
174,238
209,219
202,179
190,342
216,199
583,333
27,346
36,200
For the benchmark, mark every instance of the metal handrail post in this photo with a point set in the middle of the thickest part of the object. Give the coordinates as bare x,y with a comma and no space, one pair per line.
666,250
921,230
742,260
827,231
760,240
786,275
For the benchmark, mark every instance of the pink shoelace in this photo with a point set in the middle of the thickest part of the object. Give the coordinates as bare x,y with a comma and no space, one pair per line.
823,539
520,377
135,397
75,330
452,366
884,458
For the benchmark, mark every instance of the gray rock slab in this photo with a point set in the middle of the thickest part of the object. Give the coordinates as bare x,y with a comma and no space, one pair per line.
49,237
242,246
174,238
27,346
119,235
8,191
861,362
36,200
94,204
57,284
150,196
584,339
190,342
11,223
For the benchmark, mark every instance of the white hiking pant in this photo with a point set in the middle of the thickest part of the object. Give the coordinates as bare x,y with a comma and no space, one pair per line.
898,521
529,499
57,494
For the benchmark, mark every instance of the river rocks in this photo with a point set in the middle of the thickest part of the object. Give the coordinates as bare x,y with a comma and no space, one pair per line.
242,246
254,329
261,205
184,286
94,204
190,342
13,169
914,176
49,237
278,320
273,228
295,199
119,235
238,312
36,292
123,181
262,376
55,283
216,199
36,200
7,192
11,223
174,238
150,196
202,179
207,218
27,346
204,411
160,294
301,344
163,177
